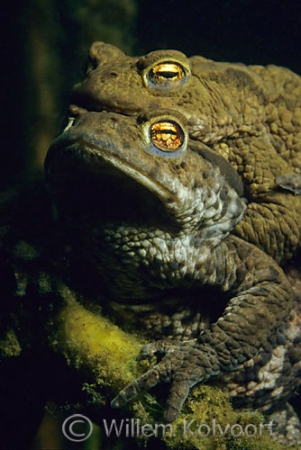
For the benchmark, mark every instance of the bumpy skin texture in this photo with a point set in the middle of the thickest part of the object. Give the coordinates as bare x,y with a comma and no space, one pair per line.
165,241
149,222
249,115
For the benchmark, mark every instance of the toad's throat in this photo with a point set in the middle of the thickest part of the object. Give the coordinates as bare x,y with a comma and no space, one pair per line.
142,179
91,158
109,189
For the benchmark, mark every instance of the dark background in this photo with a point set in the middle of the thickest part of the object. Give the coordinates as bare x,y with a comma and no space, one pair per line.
44,42
249,31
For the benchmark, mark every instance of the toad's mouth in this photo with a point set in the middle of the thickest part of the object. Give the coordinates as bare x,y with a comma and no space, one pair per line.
91,105
88,180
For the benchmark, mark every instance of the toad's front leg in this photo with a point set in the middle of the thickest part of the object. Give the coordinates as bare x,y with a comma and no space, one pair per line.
261,302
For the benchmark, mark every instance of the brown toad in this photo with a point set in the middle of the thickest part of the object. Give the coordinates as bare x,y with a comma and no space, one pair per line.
152,225
137,216
249,115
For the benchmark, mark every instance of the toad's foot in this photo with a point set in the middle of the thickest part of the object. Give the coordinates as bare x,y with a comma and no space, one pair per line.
182,364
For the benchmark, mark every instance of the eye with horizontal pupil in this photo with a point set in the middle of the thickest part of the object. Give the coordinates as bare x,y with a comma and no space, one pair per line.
166,72
167,136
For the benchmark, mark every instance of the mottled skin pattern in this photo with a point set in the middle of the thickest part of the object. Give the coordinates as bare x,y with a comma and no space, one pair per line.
154,265
251,115
143,212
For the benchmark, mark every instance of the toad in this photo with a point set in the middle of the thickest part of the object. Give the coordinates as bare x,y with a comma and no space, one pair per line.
140,217
250,115
153,224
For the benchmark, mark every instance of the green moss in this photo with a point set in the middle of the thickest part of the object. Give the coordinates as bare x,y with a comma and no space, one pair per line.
208,422
106,356
91,342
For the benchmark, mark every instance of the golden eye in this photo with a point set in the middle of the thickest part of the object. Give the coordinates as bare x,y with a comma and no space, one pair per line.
166,75
167,71
167,136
